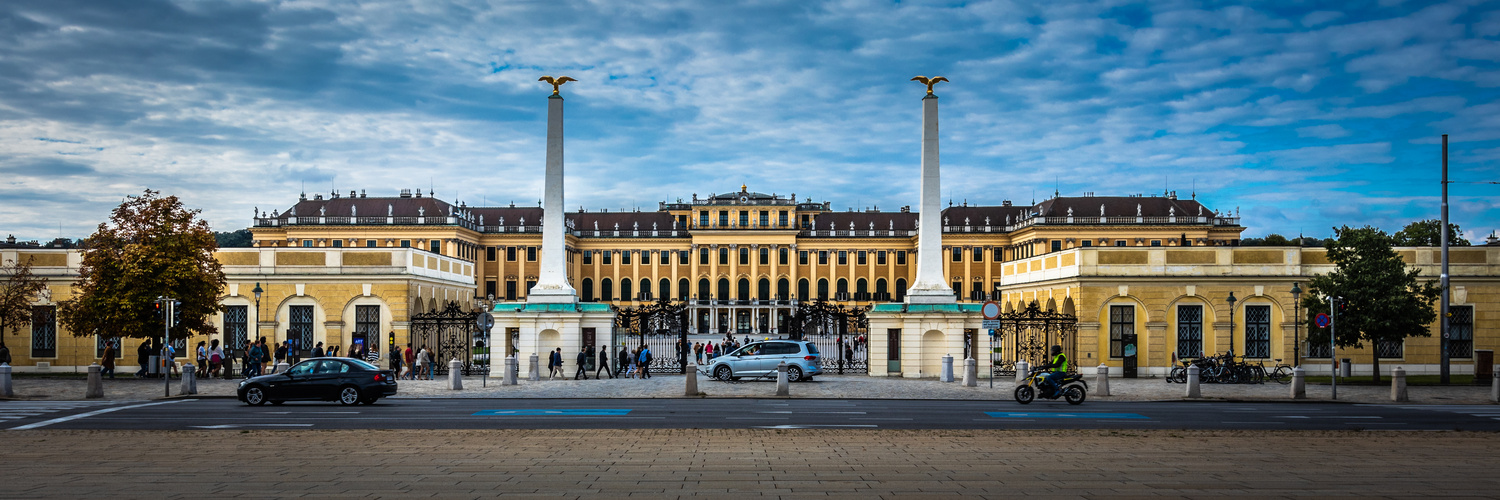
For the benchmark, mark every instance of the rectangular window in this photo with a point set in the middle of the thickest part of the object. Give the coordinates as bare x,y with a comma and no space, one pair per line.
703,218
901,257
489,254
744,218
702,256
765,256
765,218
588,256
367,323
781,220
236,327
530,254
978,254
744,256
510,290
723,218
1121,325
1119,243
723,256
822,257
645,257
1258,332
1189,332
1088,243
510,254
491,288
435,246
307,243
999,255
958,254
862,258
301,324
43,332
369,243
1390,349
1155,243
802,257
529,285
880,258
682,257
666,257
1461,332
338,243
625,257
958,289
782,254
607,257
843,258
1057,245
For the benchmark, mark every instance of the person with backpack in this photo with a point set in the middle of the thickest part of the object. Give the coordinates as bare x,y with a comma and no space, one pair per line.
254,359
645,362
215,358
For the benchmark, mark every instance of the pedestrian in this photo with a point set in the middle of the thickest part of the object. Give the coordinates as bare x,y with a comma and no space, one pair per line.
431,364
623,360
169,358
318,350
395,360
583,368
698,351
253,362
708,349
333,351
215,358
632,356
645,364
372,354
108,362
421,361
201,356
280,353
5,351
603,365
411,362
143,353
554,363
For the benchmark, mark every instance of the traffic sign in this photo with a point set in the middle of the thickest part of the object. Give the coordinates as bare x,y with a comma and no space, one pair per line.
1322,320
992,324
991,310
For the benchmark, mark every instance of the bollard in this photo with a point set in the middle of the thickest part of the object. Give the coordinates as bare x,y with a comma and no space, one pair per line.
1398,384
1494,384
282,367
6,390
96,382
1022,371
512,370
691,388
536,374
971,373
189,381
1101,380
1192,382
947,373
783,388
455,375
1299,383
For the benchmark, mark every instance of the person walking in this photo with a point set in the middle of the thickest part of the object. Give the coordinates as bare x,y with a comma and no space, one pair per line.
603,365
645,364
142,354
333,351
554,363
253,360
108,362
411,363
623,360
169,358
215,358
631,363
583,366
421,361
431,364
318,350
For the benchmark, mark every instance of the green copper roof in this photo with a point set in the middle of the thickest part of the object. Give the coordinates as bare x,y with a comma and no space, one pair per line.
896,307
540,308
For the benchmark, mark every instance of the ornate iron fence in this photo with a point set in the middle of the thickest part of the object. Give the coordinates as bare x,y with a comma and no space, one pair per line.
661,327
841,334
448,334
1028,334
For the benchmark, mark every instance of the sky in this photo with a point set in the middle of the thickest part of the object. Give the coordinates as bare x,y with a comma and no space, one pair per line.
1298,115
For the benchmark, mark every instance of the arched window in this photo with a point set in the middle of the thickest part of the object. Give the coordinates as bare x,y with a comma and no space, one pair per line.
606,290
861,289
666,289
763,291
743,287
880,286
900,289
625,289
843,286
723,289
703,290
645,286
683,288
588,290
822,288
802,289
783,289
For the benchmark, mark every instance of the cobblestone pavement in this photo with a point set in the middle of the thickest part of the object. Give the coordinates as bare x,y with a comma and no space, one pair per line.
745,463
828,386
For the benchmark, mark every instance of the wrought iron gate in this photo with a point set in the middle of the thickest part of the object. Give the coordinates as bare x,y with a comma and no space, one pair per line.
662,327
1028,334
448,334
841,334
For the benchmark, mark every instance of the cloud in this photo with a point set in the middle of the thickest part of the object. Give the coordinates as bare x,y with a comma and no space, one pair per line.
1330,131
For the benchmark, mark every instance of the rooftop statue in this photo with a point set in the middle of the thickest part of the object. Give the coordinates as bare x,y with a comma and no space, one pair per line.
929,82
556,82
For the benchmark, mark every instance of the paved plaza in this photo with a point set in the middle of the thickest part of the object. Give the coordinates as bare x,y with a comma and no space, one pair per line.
745,464
823,387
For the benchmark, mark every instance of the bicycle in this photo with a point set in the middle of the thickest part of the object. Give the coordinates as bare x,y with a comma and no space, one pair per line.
1281,373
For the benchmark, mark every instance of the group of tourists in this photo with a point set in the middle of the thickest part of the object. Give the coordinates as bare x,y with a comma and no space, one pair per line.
629,363
409,364
707,351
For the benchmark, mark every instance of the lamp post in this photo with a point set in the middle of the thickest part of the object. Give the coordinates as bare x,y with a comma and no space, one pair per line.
1296,324
257,291
1231,325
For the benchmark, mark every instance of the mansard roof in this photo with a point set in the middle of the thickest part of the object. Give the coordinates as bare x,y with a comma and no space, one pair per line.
1122,206
862,221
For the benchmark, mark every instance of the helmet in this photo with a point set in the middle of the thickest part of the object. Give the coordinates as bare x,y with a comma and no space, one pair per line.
1056,349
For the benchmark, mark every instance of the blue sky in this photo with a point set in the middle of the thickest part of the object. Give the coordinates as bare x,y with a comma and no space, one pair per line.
1301,115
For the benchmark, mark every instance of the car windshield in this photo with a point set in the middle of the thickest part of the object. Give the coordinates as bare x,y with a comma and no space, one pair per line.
362,364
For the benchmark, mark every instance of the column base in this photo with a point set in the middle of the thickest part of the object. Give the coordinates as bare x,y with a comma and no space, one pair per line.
930,296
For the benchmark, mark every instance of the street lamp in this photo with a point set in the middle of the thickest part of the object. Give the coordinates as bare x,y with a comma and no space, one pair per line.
1231,325
1296,324
257,291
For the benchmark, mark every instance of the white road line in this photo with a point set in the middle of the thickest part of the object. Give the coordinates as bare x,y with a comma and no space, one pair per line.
90,414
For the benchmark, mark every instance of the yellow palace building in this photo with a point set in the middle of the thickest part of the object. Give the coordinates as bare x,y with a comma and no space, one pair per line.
1147,277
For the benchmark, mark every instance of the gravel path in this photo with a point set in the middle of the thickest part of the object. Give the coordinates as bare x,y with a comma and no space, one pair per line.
831,387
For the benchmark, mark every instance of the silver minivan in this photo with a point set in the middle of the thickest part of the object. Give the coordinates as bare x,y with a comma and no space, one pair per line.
761,358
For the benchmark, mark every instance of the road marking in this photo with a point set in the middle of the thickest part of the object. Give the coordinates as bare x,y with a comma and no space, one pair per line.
1006,414
90,414
861,426
309,412
234,426
816,412
1326,416
1263,423
551,413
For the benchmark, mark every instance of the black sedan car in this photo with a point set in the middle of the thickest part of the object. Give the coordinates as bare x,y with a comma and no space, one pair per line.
346,380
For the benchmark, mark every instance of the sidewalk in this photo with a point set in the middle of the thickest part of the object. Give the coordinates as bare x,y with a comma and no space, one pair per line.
824,387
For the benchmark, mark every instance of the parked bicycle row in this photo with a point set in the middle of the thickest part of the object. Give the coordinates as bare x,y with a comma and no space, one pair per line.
1225,369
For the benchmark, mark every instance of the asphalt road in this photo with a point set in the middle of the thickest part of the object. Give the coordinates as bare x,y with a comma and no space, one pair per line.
739,414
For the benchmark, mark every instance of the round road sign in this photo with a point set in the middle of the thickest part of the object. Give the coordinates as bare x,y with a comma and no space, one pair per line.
991,310
1321,320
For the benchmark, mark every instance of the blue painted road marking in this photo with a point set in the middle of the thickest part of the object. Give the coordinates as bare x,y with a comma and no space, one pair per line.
1006,414
556,413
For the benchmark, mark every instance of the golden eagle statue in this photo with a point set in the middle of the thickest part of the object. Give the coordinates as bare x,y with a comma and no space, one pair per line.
929,82
557,82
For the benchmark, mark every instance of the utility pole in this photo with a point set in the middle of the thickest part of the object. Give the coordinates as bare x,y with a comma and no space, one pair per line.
1333,346
1443,313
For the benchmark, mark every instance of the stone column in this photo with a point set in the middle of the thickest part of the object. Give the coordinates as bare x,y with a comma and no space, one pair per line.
552,282
930,287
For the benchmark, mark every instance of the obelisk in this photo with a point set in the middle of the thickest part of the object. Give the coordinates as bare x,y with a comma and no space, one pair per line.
930,287
552,282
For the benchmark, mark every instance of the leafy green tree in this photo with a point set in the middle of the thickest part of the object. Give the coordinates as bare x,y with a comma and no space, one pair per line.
1384,300
234,239
1276,240
18,288
151,247
1428,233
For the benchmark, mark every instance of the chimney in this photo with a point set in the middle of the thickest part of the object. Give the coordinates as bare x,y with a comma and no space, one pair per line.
406,193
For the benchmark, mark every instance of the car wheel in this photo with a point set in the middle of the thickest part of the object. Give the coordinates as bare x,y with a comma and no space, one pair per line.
793,373
349,395
722,373
255,396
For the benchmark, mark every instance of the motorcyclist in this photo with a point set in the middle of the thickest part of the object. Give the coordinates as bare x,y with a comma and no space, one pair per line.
1057,365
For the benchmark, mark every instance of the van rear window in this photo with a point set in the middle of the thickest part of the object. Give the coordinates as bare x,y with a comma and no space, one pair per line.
811,348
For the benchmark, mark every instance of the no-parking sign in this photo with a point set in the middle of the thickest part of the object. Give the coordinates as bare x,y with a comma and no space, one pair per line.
1322,320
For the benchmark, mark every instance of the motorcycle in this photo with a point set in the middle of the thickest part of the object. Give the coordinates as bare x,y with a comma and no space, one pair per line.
1072,388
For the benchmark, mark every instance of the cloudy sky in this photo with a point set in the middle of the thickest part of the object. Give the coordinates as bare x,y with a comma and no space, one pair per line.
1302,115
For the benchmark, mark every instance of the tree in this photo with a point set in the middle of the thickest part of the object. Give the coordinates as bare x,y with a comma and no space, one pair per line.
151,247
1428,233
18,288
1276,240
234,239
1384,301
